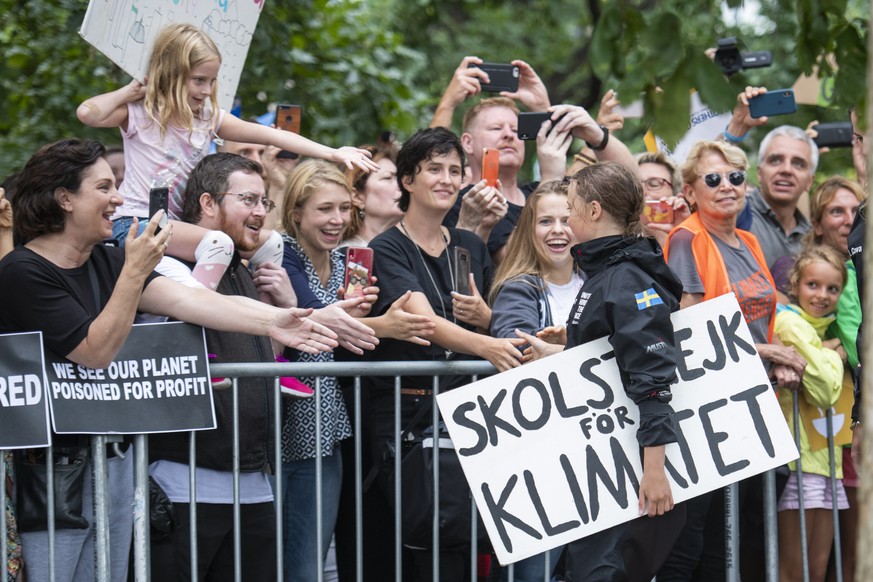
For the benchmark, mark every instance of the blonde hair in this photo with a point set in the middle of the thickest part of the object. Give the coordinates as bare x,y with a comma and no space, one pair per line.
732,154
302,183
816,254
178,49
523,255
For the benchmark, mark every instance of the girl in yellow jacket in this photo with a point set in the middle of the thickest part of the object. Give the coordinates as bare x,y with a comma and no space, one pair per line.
817,280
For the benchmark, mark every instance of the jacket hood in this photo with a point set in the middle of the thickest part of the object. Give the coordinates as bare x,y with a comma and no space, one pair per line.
645,252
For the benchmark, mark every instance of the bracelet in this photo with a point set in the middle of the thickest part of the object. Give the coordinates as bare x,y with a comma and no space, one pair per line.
734,138
602,145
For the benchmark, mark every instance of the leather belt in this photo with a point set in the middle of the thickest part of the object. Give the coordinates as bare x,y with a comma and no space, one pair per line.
416,392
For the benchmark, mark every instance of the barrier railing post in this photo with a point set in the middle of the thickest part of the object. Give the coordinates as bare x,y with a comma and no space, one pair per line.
771,532
319,479
141,525
435,419
732,533
237,521
192,506
359,487
101,511
398,452
278,493
838,553
804,549
50,500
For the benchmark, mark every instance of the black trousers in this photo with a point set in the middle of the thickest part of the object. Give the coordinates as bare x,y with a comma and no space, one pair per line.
171,557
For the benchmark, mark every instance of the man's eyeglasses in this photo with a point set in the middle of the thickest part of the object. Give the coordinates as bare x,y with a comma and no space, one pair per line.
736,178
656,183
251,200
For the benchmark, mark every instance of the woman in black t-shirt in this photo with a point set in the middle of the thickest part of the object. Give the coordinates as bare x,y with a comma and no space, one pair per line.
417,255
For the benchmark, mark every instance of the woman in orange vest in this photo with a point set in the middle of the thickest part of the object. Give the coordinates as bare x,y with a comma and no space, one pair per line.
712,257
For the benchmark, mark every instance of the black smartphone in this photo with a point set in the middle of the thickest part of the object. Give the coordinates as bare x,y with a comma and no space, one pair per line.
159,199
530,122
778,102
288,118
837,134
501,77
461,264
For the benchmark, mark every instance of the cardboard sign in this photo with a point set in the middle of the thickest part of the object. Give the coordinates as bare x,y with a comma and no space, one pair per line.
550,451
125,31
158,382
23,406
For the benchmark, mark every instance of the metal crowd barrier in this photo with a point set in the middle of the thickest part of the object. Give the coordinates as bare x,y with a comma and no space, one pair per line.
141,554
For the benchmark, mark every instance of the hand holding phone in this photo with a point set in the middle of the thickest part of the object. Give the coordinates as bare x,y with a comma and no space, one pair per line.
490,166
502,77
359,265
658,212
834,135
159,199
288,118
461,270
778,102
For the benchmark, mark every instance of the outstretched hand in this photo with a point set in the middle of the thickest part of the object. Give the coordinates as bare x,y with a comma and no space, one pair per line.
293,328
408,326
471,309
352,334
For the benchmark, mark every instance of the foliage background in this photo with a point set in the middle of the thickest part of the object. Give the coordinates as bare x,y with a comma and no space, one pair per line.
363,66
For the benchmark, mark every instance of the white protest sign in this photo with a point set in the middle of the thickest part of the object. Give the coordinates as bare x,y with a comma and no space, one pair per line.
125,30
23,404
550,451
158,382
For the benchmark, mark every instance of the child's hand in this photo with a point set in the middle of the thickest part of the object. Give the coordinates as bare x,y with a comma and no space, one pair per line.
351,157
136,91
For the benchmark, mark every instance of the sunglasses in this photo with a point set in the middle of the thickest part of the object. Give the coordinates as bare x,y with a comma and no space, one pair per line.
736,178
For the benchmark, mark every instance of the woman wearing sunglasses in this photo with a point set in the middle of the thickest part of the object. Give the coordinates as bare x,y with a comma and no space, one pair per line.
712,257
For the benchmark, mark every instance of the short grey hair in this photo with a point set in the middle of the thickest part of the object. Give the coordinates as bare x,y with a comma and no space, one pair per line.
792,132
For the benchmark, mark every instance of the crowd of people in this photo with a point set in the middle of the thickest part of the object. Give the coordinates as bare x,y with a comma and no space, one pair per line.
255,251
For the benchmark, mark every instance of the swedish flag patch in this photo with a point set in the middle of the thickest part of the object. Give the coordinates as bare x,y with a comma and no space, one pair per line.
648,298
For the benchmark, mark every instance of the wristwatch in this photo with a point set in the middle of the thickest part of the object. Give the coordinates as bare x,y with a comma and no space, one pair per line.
602,145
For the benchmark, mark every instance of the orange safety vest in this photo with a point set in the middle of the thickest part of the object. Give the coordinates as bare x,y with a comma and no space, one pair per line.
710,264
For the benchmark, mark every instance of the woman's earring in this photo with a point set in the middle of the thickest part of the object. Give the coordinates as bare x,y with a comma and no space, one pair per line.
361,213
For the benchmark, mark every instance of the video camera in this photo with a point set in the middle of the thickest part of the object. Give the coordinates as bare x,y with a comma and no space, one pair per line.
729,58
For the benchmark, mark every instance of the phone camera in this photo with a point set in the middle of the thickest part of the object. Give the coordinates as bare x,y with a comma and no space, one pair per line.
515,72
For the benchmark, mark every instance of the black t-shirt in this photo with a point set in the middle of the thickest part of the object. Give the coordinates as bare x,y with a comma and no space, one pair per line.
401,266
37,295
501,231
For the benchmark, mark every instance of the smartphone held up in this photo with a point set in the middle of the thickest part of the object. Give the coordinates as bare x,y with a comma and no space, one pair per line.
359,265
288,118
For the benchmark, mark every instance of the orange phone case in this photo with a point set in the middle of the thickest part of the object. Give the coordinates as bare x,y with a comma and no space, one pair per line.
490,166
658,212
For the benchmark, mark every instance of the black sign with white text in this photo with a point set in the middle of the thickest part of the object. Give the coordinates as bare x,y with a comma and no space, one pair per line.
23,408
158,382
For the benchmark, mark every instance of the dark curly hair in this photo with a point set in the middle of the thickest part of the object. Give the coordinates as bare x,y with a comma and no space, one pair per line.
424,145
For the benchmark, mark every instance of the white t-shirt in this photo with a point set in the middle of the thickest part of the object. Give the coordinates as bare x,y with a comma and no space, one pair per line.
151,161
562,297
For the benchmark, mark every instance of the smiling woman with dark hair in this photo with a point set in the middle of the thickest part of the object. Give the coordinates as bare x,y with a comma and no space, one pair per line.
83,297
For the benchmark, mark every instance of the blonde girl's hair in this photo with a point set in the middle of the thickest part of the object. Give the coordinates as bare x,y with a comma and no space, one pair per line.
178,49
303,182
523,255
816,254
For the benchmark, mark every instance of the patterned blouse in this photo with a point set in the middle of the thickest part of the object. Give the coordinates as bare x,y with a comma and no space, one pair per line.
298,416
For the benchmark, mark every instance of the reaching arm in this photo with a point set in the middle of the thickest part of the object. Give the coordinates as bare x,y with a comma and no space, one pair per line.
466,81
110,109
6,242
109,330
579,122
236,129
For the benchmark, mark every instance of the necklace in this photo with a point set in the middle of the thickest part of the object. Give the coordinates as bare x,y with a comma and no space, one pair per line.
436,289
